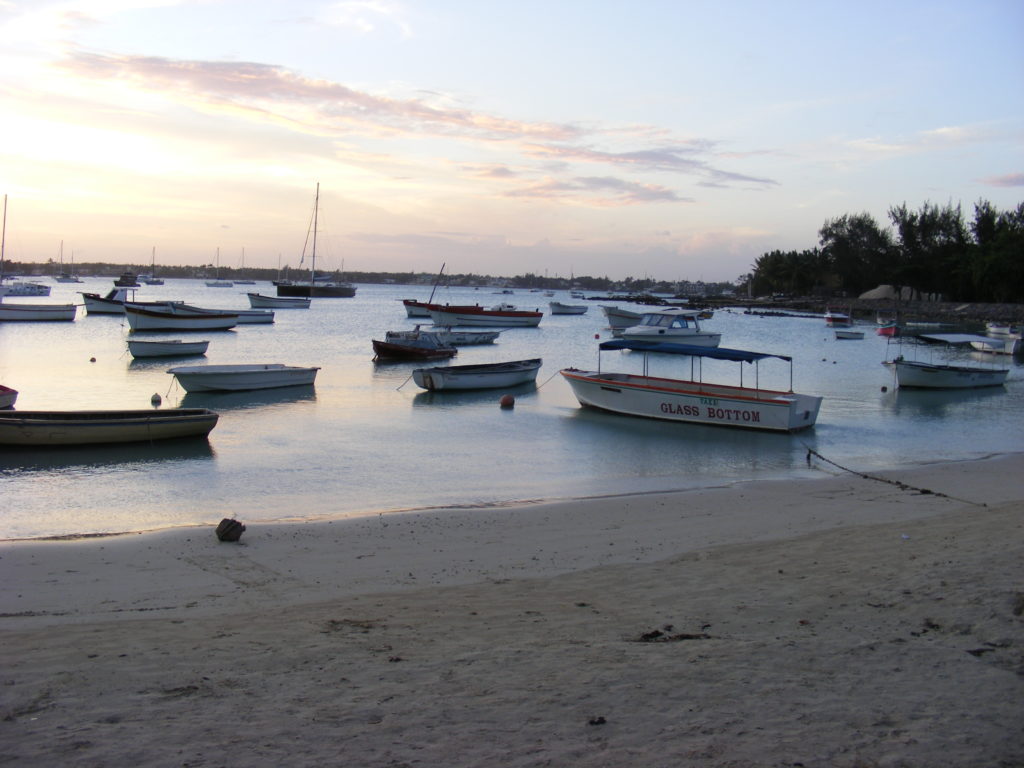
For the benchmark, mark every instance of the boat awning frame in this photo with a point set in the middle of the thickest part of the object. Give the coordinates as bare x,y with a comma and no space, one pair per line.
672,348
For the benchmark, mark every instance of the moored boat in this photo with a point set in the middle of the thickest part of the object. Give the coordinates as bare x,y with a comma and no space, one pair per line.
245,316
58,428
558,308
259,301
127,280
482,376
453,337
37,312
837,319
166,348
421,309
414,345
921,375
619,318
694,400
158,320
498,316
8,396
113,303
845,333
671,324
242,376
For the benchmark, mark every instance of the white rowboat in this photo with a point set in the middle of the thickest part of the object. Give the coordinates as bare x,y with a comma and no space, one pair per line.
166,348
483,376
157,320
240,377
913,374
37,312
500,316
558,308
259,301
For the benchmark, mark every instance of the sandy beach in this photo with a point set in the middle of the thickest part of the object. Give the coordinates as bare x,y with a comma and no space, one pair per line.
841,621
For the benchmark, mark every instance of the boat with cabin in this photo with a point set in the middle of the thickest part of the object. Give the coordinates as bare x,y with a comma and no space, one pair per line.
694,400
671,324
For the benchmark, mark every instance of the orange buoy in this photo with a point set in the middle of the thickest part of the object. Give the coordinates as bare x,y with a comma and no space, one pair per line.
507,401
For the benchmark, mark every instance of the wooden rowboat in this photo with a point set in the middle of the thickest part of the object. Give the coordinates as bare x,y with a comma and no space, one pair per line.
57,428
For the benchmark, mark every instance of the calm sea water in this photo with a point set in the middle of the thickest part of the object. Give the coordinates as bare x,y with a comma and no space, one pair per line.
366,440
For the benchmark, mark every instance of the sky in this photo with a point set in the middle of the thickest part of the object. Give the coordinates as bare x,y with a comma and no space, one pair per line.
669,139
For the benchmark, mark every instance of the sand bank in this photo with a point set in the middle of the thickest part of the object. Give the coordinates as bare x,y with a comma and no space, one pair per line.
841,621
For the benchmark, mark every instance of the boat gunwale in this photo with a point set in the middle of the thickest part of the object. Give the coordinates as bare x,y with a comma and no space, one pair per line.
689,387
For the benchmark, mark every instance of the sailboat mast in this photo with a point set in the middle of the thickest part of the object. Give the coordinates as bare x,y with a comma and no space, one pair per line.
3,243
316,211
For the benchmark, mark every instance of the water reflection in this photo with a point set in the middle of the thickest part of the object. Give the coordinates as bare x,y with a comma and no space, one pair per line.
85,457
938,403
255,398
454,397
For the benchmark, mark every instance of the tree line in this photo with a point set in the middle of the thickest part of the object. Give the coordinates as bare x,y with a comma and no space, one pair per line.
932,250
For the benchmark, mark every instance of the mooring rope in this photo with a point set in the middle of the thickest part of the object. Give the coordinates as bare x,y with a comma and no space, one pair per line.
899,484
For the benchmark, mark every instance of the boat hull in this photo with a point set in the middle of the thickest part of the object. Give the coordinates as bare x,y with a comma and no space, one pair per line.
693,338
318,290
58,428
841,334
487,318
242,377
694,402
485,376
152,320
175,348
37,312
418,309
912,374
386,350
557,308
258,301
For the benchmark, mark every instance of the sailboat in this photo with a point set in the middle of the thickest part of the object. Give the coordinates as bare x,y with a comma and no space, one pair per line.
316,287
151,278
66,277
217,282
242,266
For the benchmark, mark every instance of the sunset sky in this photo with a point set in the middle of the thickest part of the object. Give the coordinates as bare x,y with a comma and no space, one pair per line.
674,140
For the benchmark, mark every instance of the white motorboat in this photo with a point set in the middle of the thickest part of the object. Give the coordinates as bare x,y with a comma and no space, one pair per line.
844,333
113,303
37,312
916,374
259,301
694,400
26,288
672,324
620,318
483,376
558,308
446,336
240,377
8,396
140,319
166,348
58,428
498,316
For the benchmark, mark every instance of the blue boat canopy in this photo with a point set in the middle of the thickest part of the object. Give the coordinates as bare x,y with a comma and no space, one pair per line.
672,348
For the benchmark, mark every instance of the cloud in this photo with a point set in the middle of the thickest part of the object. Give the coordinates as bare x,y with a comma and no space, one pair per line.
1006,180
604,190
275,91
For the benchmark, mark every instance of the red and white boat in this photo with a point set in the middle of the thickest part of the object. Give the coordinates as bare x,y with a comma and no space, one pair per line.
498,316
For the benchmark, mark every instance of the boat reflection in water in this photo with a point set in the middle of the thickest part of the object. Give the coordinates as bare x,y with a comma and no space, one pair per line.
469,397
83,458
253,398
